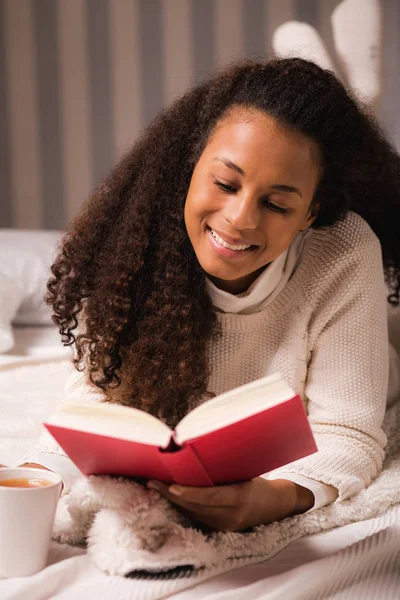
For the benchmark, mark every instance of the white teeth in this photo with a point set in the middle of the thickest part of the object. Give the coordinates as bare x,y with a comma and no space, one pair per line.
225,244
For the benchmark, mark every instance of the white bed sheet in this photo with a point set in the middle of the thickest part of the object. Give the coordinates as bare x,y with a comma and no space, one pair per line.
314,567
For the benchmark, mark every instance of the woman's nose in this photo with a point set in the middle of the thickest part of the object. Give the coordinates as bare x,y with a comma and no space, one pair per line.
241,212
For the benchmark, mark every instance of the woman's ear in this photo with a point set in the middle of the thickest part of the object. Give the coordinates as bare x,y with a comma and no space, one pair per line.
312,215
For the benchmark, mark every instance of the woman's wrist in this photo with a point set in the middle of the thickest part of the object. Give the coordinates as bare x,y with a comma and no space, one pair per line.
291,498
305,499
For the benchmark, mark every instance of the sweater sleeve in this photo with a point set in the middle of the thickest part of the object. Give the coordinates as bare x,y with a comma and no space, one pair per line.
48,452
347,372
323,494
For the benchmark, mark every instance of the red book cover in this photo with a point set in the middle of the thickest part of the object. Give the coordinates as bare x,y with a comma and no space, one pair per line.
237,452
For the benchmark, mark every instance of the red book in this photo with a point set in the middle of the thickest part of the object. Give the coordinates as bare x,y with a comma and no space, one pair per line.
233,437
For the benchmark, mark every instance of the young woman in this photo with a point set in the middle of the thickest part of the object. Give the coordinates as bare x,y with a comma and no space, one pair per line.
243,234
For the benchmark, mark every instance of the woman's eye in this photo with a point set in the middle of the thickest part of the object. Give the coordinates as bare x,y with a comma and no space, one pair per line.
225,187
229,189
275,207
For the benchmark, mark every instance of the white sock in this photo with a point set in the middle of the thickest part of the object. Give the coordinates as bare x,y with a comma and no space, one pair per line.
357,26
301,40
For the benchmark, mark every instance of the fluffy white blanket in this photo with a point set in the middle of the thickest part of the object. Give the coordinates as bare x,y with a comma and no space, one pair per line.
131,530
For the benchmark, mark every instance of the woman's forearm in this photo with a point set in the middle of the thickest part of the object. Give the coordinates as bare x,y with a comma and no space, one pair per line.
291,499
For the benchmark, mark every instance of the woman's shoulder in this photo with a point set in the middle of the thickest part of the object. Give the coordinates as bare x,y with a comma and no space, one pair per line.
349,240
348,251
353,232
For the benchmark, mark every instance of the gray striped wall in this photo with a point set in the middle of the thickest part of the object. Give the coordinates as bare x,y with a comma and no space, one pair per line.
79,79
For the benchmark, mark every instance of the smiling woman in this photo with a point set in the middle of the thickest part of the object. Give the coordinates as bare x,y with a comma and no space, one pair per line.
250,194
243,235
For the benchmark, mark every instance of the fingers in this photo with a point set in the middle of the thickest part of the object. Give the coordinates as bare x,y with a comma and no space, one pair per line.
218,496
224,508
221,518
29,465
219,508
177,495
214,519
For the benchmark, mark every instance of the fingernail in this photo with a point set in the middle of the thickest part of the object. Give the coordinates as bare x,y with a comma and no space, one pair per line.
175,490
153,485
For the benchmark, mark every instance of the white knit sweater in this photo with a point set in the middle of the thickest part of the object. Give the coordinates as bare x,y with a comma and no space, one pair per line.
326,333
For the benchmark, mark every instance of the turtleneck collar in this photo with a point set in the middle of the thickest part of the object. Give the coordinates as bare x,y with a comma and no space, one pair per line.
267,285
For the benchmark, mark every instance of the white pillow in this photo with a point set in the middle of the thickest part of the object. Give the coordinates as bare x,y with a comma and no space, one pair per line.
10,298
25,260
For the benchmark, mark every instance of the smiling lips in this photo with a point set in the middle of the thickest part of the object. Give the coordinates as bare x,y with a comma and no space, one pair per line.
221,241
226,249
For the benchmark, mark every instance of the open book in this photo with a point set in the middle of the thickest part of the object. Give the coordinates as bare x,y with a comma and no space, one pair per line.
233,437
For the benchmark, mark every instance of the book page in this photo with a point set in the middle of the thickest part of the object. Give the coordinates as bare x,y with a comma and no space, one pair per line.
233,406
112,420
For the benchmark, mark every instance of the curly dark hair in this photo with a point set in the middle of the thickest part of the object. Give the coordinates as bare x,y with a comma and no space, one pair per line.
127,266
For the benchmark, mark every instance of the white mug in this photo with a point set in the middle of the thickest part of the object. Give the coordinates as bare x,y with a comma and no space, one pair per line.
26,521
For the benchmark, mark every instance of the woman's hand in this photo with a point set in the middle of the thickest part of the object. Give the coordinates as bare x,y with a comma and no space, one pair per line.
239,506
30,466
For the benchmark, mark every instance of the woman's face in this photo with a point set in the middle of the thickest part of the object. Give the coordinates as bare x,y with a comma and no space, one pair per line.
249,196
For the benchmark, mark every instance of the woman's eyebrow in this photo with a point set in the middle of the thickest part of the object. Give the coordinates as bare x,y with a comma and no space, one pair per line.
278,187
230,165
